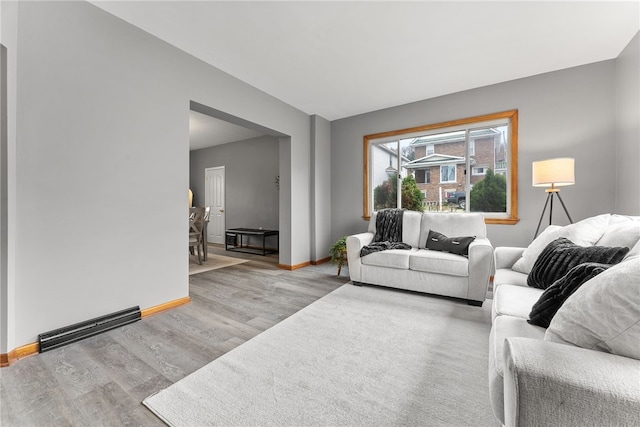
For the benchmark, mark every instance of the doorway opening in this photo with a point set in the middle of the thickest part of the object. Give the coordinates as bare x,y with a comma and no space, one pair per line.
234,169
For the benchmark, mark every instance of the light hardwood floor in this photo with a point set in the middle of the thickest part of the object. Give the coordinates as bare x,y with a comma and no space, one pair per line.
102,380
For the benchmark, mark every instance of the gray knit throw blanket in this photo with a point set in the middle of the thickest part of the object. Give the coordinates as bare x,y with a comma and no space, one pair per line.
388,232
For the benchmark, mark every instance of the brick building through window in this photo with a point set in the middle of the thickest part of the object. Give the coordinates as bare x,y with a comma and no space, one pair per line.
440,160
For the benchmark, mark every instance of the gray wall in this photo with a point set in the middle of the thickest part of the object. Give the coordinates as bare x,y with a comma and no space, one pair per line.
97,182
628,129
564,113
321,188
8,38
251,166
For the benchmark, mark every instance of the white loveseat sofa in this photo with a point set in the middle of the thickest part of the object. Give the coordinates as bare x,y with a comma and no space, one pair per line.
423,270
583,370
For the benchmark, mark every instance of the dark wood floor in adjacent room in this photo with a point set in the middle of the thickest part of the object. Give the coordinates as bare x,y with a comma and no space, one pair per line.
102,380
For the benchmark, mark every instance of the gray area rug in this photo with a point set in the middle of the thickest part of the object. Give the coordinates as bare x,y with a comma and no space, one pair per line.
358,356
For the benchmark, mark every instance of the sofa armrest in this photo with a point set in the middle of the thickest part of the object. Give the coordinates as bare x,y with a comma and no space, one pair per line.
480,257
506,256
356,242
550,384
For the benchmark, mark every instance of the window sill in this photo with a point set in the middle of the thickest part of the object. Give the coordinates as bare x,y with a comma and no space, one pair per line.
501,221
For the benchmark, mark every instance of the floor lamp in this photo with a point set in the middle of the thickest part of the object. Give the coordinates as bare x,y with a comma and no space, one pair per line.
553,173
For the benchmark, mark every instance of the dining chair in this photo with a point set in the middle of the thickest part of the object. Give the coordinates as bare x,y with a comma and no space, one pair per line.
205,243
196,227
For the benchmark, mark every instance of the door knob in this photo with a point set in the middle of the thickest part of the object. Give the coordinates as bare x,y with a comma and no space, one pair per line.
221,210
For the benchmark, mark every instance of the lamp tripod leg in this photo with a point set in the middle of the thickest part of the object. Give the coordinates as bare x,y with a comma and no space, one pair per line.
565,209
542,214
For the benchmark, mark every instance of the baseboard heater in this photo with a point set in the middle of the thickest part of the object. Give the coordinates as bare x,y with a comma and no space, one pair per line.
69,334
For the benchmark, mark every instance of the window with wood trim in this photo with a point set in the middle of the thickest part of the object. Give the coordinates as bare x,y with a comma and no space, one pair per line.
465,165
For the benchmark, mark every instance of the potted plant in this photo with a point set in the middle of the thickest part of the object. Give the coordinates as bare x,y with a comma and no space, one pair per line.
338,253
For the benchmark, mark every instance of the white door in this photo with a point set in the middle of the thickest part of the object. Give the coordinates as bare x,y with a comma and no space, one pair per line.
214,198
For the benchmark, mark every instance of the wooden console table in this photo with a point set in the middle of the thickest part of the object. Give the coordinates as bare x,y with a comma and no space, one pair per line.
234,240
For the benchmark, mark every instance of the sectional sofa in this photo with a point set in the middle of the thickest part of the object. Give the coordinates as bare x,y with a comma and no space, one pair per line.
582,369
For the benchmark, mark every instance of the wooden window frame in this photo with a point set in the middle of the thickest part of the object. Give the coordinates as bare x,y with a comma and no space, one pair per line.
511,115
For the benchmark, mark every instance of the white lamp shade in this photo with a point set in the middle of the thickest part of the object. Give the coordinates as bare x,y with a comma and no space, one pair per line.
554,172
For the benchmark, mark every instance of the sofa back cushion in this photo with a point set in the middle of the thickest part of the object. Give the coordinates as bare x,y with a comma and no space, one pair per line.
635,250
622,231
452,224
410,227
372,223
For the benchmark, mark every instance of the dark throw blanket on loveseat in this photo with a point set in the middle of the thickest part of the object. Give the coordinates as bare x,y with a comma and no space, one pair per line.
388,232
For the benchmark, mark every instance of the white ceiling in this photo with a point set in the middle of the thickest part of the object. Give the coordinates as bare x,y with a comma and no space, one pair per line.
338,59
206,131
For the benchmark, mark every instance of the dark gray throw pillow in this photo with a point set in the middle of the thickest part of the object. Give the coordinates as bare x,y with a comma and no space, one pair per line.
456,245
561,255
555,295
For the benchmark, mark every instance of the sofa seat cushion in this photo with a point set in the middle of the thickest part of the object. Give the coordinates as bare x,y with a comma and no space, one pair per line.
392,258
509,327
439,262
506,276
505,327
513,300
